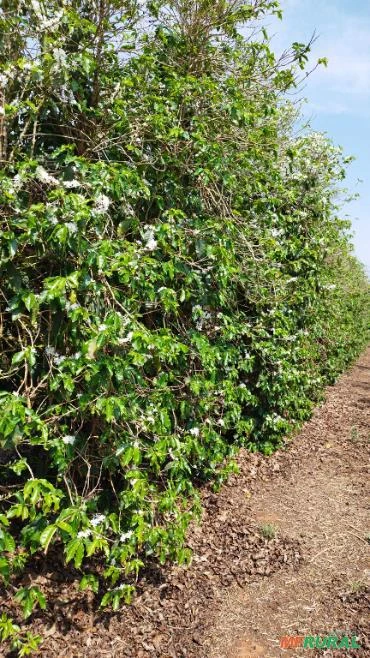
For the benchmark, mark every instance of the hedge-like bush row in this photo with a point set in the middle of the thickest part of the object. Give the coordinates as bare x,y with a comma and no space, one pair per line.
176,281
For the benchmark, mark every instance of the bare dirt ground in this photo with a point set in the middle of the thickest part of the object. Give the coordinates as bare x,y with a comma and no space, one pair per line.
283,549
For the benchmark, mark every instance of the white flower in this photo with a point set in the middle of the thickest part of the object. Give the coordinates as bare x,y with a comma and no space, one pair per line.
83,534
17,181
3,80
59,359
151,244
97,519
44,177
102,327
195,431
70,184
60,56
2,111
46,23
127,339
50,351
69,439
126,535
102,204
66,96
72,227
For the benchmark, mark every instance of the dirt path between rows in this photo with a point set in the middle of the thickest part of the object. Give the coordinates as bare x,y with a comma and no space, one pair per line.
321,501
244,590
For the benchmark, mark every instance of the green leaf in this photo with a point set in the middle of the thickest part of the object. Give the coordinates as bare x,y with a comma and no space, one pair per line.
75,550
47,535
89,581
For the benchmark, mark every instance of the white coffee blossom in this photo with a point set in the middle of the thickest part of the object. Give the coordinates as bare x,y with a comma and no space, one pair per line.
2,111
98,519
71,184
126,535
127,338
44,177
17,181
72,227
50,23
66,95
84,534
150,241
102,203
151,245
102,327
50,351
69,439
128,210
194,431
60,57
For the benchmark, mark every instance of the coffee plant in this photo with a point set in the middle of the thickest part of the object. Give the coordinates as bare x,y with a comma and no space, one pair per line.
176,277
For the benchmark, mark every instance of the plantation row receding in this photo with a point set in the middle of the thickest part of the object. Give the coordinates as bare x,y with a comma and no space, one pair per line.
176,279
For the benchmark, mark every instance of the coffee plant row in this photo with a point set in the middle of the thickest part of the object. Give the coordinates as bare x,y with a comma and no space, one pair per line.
176,277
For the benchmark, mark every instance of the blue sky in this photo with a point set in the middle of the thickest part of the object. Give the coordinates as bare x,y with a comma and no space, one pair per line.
339,96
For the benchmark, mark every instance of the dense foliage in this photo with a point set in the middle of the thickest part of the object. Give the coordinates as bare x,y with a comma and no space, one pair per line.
175,279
